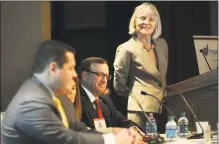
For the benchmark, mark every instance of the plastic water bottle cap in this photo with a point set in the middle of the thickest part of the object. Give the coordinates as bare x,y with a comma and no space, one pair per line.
151,114
182,114
171,118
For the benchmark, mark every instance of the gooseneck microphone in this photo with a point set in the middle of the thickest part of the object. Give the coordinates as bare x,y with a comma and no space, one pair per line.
196,136
160,140
145,93
202,51
154,129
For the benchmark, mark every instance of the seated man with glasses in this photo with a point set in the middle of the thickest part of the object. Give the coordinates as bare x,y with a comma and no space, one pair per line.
98,111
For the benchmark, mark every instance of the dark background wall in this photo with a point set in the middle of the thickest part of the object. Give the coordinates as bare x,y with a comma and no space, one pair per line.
24,25
97,28
214,18
21,33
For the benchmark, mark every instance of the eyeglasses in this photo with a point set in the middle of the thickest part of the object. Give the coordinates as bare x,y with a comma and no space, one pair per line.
100,74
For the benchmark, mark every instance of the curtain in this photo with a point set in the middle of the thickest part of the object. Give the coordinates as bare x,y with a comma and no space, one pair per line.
181,20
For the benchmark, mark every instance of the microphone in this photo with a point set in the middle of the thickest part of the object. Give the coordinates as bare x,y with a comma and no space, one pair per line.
159,139
195,136
145,93
202,51
154,129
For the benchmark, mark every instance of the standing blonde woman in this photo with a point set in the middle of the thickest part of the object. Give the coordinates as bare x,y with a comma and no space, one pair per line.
141,64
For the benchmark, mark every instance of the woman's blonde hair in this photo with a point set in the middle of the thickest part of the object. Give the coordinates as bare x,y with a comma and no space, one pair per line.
77,102
153,9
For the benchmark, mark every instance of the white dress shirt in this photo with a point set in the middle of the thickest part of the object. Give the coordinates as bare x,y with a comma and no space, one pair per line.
110,137
90,95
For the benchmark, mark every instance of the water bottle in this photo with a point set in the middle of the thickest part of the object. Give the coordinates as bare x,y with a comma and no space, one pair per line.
151,129
183,126
171,128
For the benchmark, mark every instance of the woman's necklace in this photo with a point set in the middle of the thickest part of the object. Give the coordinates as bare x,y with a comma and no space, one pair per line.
148,48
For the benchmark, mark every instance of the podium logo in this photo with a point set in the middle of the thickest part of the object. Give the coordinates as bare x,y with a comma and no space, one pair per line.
210,52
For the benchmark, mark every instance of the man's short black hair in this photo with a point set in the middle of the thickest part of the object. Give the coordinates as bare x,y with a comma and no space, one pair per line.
86,64
50,51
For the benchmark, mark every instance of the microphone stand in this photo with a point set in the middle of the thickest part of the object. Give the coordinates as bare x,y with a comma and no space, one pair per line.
154,129
195,136
145,93
160,139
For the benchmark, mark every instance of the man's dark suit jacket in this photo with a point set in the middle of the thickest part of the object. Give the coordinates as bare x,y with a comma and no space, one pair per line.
112,116
32,118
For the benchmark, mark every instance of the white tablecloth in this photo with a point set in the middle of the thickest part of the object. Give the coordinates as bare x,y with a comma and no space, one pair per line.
214,140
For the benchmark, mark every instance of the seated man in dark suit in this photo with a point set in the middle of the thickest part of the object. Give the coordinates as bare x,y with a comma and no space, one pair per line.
35,114
98,111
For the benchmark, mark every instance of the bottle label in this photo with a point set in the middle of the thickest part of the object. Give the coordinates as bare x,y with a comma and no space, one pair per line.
148,130
171,133
155,126
183,128
151,128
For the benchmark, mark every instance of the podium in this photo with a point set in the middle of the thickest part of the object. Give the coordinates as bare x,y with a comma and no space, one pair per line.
201,92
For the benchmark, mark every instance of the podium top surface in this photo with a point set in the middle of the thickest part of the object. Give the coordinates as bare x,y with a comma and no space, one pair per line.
197,82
